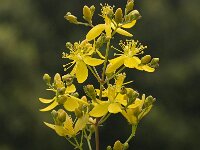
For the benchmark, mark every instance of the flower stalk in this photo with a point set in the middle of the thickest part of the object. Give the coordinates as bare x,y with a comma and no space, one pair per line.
115,95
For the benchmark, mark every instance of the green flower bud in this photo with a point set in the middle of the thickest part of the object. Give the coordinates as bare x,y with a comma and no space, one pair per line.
62,99
90,91
75,94
154,63
78,113
129,6
47,78
92,9
118,15
132,95
69,45
92,128
61,115
109,148
149,101
87,14
54,114
123,90
71,18
126,146
118,145
68,79
100,41
146,59
61,91
134,15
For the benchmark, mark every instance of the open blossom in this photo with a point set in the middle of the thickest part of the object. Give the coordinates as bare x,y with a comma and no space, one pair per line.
114,102
129,57
109,25
81,56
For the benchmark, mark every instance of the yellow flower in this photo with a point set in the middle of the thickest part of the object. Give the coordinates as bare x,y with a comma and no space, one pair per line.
81,53
69,128
70,102
107,12
129,57
114,102
136,111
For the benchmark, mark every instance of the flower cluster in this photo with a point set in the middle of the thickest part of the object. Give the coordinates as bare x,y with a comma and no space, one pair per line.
79,116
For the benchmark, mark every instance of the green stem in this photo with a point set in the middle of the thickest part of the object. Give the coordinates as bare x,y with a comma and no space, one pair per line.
134,127
103,119
97,136
104,69
78,145
88,139
94,73
71,142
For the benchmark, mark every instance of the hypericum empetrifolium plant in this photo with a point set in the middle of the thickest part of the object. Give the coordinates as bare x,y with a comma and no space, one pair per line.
80,116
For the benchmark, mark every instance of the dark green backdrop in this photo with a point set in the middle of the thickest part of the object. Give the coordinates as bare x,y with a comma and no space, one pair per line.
33,34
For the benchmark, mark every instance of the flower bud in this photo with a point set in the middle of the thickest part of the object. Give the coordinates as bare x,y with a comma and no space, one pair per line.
69,45
126,146
129,5
90,91
154,63
54,114
71,18
134,15
118,15
132,95
68,79
123,90
92,9
92,128
62,99
149,101
109,148
100,41
61,90
146,59
75,94
47,78
61,115
87,14
118,145
78,113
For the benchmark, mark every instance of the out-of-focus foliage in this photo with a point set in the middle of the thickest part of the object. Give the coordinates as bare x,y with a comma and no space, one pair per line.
32,37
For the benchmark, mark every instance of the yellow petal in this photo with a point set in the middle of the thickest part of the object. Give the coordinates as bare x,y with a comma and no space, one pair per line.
81,123
59,129
81,72
95,32
68,125
71,89
147,68
92,61
131,62
46,101
99,110
73,72
129,25
71,104
115,64
123,32
114,108
50,107
52,126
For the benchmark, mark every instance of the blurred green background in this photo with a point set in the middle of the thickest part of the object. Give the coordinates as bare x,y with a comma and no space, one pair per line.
33,34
